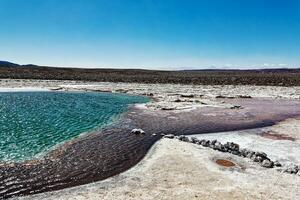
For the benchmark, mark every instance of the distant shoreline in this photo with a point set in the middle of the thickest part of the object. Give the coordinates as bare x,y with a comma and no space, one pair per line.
270,77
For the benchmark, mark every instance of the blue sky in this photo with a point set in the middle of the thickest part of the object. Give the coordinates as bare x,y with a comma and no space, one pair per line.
153,34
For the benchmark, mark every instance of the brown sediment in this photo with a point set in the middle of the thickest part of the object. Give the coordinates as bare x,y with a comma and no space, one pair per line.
225,163
277,136
102,154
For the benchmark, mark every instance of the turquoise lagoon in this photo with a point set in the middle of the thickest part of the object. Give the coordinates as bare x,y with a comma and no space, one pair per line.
33,122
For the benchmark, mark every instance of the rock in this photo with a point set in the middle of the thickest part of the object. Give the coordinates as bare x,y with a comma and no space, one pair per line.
168,108
236,153
187,95
261,154
178,100
212,143
220,97
137,131
256,158
154,134
250,154
267,163
55,89
201,102
277,163
194,140
235,107
170,136
122,90
204,143
183,138
245,152
223,97
244,96
218,146
231,146
291,169
201,142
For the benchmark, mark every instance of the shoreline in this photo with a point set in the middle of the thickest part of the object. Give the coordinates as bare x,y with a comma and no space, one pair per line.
182,171
114,150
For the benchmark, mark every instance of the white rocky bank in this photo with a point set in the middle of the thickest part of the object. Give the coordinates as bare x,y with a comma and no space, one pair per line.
166,96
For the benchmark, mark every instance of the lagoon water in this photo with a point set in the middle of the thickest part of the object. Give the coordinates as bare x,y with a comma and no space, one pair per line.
33,122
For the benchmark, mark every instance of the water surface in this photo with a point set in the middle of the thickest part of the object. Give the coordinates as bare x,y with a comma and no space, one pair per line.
33,122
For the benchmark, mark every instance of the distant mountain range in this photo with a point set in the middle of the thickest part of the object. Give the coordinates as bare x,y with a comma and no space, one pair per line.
11,64
8,64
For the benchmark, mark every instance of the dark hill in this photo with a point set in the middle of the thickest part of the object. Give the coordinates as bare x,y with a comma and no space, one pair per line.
278,77
8,64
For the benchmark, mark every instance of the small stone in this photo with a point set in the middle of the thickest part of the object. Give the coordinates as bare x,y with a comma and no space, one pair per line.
236,153
235,107
201,142
244,96
194,140
187,95
250,154
137,131
277,163
256,158
205,143
213,142
220,97
168,108
261,154
169,136
183,138
232,146
267,163
291,169
244,152
218,146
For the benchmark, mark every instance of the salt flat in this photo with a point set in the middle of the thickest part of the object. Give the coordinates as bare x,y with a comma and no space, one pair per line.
166,96
177,170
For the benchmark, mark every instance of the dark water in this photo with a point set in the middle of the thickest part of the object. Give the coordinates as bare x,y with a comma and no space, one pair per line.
33,122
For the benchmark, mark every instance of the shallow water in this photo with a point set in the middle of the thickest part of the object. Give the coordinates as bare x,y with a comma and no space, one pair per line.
33,122
112,150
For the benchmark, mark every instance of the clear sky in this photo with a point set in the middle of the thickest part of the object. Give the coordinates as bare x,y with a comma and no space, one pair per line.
155,34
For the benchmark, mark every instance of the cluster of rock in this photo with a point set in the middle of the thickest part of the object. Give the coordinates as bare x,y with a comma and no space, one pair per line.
233,148
232,97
